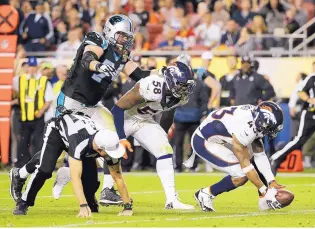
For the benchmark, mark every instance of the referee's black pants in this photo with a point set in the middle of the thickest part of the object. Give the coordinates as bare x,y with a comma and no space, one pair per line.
50,152
306,129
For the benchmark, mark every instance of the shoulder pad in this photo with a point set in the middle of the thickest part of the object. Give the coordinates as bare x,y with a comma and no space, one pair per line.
94,38
151,88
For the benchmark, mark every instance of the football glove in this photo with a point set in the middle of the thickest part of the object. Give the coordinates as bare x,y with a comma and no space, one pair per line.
270,198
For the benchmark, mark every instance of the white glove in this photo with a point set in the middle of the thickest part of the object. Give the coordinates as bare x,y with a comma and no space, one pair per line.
269,200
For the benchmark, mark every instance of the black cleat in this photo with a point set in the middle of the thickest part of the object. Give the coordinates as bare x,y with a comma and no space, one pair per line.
16,184
110,197
20,208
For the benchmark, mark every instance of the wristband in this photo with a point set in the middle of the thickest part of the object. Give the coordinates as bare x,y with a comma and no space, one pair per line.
263,189
83,205
247,169
127,206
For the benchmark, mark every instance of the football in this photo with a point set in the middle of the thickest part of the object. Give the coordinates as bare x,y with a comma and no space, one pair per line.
285,197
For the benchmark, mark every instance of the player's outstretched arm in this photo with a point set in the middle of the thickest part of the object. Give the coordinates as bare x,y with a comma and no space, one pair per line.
263,163
76,172
116,172
90,57
136,73
129,100
243,155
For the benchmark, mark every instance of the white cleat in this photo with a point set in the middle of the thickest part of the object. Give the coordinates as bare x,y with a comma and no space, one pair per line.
176,204
205,200
62,179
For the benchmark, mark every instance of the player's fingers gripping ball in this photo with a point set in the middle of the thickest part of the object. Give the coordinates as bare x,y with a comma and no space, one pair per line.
274,184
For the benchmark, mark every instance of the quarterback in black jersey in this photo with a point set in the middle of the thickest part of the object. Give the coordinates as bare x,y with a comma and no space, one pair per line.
82,138
99,60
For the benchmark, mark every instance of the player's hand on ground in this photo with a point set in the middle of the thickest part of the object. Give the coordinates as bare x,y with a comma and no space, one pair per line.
270,198
85,212
127,145
125,213
274,184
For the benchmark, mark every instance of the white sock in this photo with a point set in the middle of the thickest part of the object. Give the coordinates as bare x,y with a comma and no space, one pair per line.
108,181
23,173
165,170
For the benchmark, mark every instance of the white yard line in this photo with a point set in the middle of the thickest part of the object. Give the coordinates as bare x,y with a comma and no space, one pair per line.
90,222
214,174
161,191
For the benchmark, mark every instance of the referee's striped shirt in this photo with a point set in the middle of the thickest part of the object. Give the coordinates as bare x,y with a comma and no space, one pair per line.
308,86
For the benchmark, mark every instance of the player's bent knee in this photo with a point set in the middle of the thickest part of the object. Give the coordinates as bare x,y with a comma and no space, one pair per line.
44,174
239,181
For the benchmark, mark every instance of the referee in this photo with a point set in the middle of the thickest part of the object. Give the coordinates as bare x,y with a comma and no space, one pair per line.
307,123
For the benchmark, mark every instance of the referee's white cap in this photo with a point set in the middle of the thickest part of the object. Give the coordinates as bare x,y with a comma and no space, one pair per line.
108,141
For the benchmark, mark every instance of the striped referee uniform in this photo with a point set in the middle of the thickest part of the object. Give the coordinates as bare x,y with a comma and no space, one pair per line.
306,127
73,133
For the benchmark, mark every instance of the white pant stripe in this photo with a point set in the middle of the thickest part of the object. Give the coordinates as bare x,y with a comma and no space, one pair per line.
30,182
294,141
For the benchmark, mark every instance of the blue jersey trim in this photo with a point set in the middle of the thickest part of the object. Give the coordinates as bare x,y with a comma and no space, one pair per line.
213,128
60,103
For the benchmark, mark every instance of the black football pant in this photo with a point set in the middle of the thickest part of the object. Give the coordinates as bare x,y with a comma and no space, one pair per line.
306,129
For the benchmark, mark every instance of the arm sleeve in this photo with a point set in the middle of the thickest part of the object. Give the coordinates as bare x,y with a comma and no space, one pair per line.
263,166
119,121
139,73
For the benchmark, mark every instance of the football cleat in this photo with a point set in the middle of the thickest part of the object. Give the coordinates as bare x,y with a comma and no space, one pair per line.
110,197
62,179
177,204
20,208
16,184
205,200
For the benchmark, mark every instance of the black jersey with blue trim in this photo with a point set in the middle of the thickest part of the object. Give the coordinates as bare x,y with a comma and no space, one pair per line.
87,86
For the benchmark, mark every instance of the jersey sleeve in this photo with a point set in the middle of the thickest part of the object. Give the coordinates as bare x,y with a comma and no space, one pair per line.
151,88
94,38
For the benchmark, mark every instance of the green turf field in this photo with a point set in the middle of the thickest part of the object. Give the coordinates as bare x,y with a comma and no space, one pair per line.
238,208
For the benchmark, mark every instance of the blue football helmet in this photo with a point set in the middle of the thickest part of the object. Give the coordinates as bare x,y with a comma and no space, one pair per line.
179,80
268,118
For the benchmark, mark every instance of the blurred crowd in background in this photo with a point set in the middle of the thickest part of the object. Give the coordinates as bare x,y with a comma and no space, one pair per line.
163,24
60,26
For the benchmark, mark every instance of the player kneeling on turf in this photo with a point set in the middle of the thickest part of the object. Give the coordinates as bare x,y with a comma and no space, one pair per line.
84,140
227,139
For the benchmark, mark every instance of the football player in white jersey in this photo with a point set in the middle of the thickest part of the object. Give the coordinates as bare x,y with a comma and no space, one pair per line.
228,138
133,116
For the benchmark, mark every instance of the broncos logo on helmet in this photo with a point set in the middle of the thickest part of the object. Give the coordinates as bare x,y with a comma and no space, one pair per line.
268,118
179,80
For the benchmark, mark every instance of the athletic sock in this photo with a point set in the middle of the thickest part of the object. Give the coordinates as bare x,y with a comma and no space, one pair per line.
224,185
23,172
165,170
108,181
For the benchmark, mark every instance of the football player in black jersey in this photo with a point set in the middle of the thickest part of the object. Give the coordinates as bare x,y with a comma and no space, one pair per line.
99,60
82,138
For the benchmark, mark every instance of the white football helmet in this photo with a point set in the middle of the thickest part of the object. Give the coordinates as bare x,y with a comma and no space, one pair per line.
119,32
